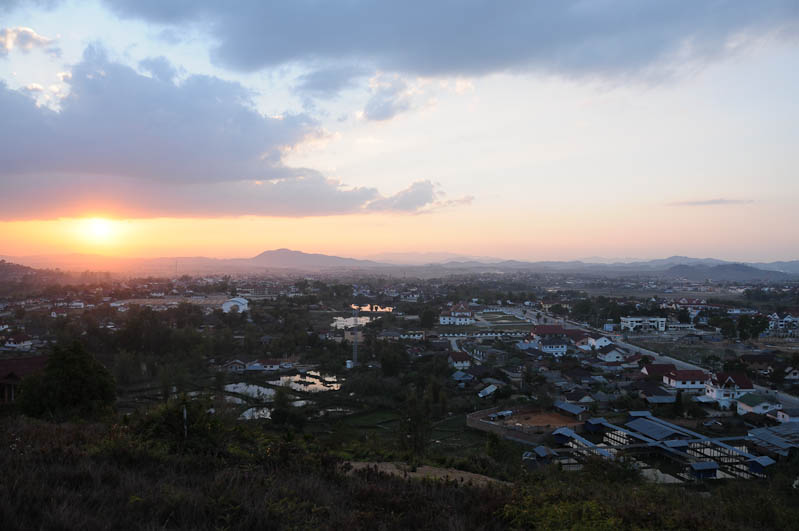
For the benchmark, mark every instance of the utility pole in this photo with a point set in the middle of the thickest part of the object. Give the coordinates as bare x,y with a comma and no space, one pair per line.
355,339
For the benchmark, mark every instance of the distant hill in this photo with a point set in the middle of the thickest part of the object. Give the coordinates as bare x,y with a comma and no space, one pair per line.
791,266
725,272
286,258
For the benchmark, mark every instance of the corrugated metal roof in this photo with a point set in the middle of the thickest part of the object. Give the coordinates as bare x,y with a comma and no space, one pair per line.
569,408
651,429
705,465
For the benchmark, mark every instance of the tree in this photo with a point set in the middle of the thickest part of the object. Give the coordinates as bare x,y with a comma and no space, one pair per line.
744,327
683,316
678,405
73,383
415,426
428,319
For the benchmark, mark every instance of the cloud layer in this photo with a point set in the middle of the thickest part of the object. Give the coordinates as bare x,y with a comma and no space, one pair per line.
474,37
147,145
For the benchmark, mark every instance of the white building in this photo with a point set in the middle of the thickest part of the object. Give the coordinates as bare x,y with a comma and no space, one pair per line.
459,315
236,305
554,346
459,360
643,323
788,415
757,403
611,354
686,380
725,388
784,323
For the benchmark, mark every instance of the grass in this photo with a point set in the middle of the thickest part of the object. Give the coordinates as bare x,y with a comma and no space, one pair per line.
145,476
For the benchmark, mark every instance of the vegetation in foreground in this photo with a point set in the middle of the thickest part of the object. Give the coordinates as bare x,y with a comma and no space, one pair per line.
153,472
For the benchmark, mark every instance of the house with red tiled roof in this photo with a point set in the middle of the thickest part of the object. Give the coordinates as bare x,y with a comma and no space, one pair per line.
657,371
725,388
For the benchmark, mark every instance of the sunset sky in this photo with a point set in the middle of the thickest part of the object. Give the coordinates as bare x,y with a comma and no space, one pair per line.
517,129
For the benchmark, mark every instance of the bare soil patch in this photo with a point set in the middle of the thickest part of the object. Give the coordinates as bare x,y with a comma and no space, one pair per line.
429,472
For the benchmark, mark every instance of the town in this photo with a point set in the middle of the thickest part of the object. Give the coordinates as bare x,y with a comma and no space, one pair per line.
685,381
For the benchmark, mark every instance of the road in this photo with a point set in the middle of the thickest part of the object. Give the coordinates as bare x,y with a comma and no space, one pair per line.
787,400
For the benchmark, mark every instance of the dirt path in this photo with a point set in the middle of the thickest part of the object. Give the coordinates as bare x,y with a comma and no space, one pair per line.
430,472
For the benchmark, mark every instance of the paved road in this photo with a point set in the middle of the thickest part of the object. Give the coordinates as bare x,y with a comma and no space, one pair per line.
786,399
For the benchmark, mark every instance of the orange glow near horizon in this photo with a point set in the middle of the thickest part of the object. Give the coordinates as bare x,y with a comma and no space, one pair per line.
542,233
98,231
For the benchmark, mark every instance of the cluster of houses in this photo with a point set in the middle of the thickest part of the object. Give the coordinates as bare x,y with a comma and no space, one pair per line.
257,366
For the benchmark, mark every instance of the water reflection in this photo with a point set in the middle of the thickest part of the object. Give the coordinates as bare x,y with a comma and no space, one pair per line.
256,413
311,382
372,308
257,392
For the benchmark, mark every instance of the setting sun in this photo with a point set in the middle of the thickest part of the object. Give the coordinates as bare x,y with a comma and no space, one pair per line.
98,230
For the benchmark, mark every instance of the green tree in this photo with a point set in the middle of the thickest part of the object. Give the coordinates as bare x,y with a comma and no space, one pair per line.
415,426
428,319
678,409
73,383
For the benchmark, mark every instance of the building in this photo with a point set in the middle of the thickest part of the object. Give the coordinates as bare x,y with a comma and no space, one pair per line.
553,346
782,323
686,380
572,410
787,415
610,354
234,366
459,360
634,324
657,371
236,305
757,404
726,387
459,315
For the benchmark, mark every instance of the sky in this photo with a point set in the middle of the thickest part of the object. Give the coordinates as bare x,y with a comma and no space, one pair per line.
516,129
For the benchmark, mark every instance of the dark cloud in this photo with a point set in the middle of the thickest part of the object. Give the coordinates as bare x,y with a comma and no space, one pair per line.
389,98
159,67
411,199
11,5
420,197
473,37
712,202
328,82
151,146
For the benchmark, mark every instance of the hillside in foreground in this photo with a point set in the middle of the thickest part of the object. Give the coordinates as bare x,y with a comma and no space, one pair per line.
225,475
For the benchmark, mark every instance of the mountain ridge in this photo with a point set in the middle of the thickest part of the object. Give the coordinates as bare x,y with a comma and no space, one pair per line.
288,259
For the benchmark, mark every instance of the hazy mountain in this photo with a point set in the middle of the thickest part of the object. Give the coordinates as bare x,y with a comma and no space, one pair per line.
725,272
286,258
662,263
429,258
786,267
